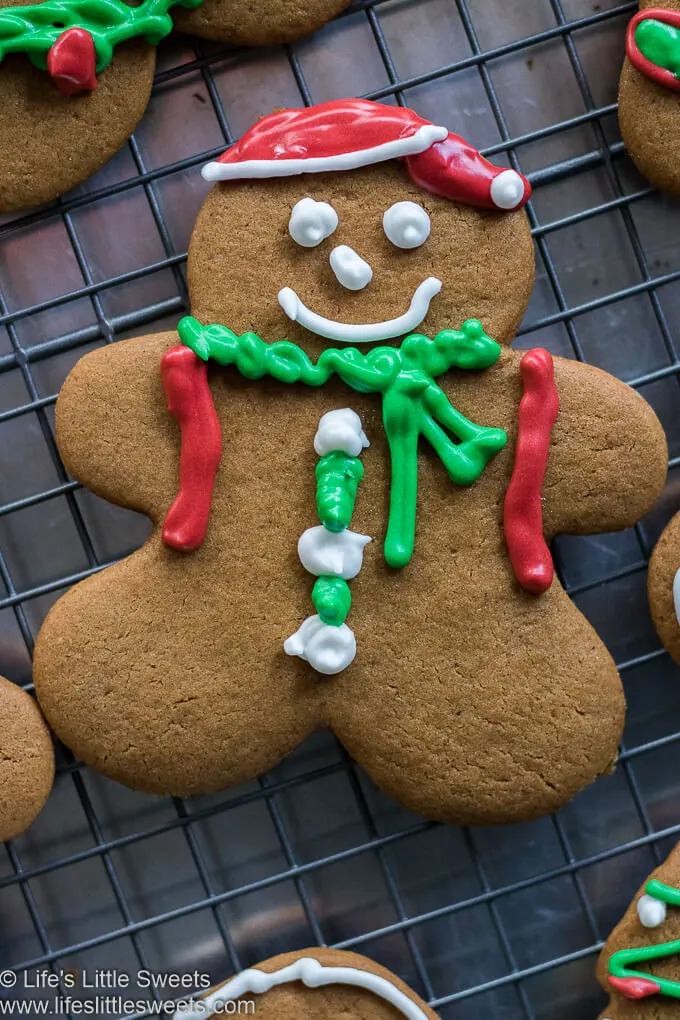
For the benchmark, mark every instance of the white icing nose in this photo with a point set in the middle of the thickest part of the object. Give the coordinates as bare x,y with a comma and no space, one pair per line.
349,268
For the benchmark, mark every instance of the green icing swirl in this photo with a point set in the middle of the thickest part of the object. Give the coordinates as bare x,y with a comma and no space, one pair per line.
332,599
413,403
337,480
34,29
660,44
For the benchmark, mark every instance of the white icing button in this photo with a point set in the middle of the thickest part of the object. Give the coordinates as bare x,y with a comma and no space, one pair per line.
340,430
327,649
676,594
349,268
652,912
507,190
406,225
339,553
311,222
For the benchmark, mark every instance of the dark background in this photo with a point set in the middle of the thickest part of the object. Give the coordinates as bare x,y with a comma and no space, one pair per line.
485,923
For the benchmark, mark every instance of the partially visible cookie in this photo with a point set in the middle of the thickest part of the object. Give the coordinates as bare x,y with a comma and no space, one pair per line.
649,104
316,984
257,22
663,588
61,121
26,760
639,966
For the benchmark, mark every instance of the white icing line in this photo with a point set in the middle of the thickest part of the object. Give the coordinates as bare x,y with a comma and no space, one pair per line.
297,311
251,169
312,974
676,594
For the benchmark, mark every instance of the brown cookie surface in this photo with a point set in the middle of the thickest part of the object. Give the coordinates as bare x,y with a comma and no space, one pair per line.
52,142
357,989
454,657
257,22
663,566
631,934
649,117
470,700
26,760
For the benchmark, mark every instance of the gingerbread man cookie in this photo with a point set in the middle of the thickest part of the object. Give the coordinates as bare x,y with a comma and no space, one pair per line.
639,966
319,984
26,760
76,76
259,23
314,564
663,587
75,79
649,104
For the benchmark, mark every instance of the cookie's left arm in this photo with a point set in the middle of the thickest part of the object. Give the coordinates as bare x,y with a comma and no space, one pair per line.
608,454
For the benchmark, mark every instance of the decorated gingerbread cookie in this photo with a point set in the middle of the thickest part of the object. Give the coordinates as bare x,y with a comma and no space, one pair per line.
315,984
663,585
639,966
258,22
353,482
26,760
76,76
649,99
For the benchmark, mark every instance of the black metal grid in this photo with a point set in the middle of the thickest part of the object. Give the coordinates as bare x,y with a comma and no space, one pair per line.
482,922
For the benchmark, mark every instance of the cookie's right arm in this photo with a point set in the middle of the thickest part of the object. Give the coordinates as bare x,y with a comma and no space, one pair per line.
114,432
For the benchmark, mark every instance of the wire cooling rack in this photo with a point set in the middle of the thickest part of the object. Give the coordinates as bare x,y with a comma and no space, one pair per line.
483,923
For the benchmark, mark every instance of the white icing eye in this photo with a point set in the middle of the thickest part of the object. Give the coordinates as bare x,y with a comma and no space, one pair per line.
312,222
406,225
652,912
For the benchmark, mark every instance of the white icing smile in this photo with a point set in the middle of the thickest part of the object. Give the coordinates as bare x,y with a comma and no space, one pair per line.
297,311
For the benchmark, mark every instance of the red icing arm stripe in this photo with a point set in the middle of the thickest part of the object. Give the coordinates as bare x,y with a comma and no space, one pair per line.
190,402
634,988
523,514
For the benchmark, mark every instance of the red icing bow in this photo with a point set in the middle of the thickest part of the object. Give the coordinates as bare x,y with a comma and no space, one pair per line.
72,62
350,133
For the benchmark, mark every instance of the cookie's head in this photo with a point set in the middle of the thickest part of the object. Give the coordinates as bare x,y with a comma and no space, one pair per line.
354,222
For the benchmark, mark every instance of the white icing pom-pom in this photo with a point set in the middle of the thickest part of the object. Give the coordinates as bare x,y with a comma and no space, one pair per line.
652,912
327,649
339,553
340,430
507,190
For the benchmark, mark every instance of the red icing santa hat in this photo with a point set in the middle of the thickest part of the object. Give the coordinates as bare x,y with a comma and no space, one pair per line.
349,133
